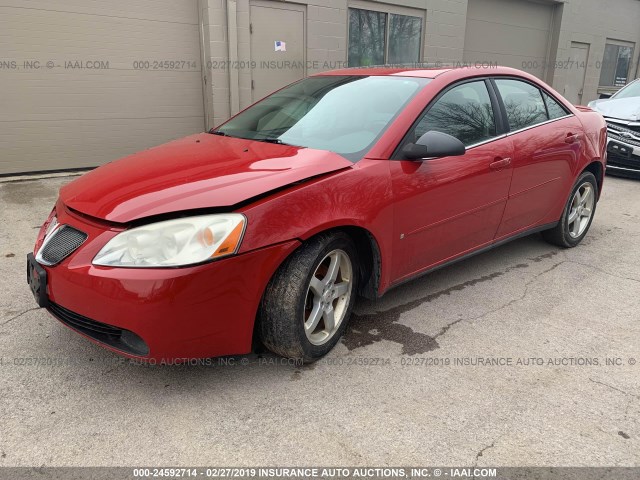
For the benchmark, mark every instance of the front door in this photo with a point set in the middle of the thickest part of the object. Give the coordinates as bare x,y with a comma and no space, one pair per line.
277,46
448,206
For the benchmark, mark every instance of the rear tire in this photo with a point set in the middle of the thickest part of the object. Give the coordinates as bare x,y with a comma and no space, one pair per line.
577,215
308,302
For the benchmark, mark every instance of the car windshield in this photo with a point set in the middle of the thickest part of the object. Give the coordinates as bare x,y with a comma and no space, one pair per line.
342,114
631,90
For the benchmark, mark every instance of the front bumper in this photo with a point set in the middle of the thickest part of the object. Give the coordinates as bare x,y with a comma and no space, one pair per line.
623,156
177,313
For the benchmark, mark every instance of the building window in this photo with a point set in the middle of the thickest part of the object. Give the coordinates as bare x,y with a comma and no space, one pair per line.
615,66
405,33
377,38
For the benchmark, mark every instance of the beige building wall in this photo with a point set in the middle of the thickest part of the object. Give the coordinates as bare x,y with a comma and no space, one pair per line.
63,118
78,85
593,22
326,40
445,23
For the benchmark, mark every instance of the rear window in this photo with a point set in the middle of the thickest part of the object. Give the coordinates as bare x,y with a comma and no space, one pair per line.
553,107
523,102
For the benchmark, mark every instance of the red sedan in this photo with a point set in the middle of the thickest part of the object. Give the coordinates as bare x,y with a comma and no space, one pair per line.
343,184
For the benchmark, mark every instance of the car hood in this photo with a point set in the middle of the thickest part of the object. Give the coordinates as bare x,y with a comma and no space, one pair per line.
200,171
622,108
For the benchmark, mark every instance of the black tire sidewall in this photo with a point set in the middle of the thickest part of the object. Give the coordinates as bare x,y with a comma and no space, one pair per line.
281,315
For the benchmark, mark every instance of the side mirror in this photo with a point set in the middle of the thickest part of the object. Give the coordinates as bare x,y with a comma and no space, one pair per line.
604,96
434,145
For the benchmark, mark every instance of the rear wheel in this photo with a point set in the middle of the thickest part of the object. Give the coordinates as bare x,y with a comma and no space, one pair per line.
308,302
577,215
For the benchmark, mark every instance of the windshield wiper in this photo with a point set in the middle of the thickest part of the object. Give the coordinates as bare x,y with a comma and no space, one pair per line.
272,140
265,139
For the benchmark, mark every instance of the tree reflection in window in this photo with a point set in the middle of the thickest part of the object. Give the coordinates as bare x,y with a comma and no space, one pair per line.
464,112
405,33
366,37
369,33
523,102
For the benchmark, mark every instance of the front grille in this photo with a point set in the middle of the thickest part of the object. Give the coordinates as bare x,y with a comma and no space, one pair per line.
635,129
115,337
64,242
623,133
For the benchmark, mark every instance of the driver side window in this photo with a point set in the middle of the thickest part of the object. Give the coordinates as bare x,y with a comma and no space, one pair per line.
464,112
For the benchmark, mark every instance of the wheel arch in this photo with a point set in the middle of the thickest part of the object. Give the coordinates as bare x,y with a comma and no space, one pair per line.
368,248
597,169
370,261
370,258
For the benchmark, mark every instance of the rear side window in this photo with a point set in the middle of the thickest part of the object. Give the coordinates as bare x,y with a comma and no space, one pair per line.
523,102
553,107
463,112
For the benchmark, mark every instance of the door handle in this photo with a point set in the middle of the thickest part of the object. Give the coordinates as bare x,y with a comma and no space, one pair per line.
500,163
572,138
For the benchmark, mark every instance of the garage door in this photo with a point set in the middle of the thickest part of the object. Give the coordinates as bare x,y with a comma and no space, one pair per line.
514,33
85,82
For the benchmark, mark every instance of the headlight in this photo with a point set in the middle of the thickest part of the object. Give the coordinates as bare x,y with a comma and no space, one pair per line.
173,243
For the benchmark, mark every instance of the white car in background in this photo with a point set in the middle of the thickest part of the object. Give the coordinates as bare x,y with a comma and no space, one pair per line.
622,113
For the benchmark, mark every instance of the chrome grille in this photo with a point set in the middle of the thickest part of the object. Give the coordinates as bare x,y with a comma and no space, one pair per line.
625,134
62,243
633,129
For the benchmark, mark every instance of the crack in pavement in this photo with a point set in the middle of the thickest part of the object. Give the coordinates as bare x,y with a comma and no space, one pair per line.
374,327
481,453
632,398
515,300
634,395
604,271
19,315
367,329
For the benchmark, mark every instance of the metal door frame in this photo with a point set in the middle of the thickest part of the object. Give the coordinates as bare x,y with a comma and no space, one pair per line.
298,7
584,76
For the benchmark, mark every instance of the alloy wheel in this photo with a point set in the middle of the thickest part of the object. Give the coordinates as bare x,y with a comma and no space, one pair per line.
328,296
581,210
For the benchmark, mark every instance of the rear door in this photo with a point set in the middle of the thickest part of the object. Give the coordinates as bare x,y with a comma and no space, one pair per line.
547,141
445,207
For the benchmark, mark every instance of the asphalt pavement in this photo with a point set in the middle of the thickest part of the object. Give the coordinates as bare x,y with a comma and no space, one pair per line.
524,355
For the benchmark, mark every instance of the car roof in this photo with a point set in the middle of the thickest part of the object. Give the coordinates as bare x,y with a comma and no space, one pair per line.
387,71
458,71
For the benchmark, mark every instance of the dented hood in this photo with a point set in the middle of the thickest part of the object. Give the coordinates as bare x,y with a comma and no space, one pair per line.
622,108
199,171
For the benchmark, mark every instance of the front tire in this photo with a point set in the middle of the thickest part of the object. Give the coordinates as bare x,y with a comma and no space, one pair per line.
577,215
308,302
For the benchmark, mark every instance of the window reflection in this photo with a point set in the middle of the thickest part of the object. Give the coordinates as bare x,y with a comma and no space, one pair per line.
368,34
366,37
523,103
404,39
464,112
615,65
